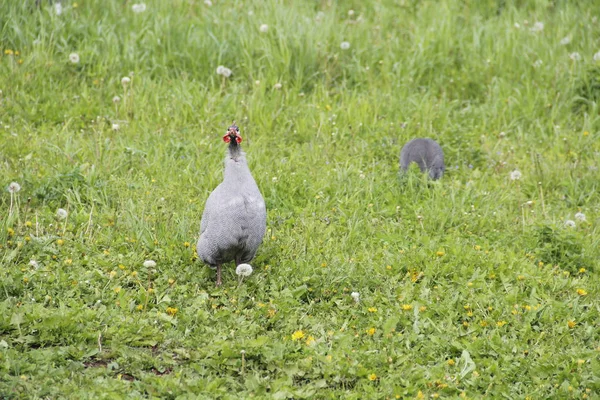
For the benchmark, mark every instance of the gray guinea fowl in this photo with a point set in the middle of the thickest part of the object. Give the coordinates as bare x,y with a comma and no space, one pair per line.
235,217
427,154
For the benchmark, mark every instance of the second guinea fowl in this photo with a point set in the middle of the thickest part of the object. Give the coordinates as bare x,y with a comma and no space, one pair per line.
427,154
234,220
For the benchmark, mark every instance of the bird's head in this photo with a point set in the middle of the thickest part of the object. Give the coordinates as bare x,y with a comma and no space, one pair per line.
233,134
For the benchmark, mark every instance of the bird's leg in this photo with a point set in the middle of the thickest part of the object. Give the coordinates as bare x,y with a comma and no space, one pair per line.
219,283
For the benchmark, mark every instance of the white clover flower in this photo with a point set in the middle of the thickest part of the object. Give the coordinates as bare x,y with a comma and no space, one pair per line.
537,27
274,179
244,270
538,63
115,127
116,99
597,56
515,175
138,8
355,296
208,3
565,41
570,223
575,56
58,8
350,13
580,216
517,25
345,45
264,28
14,187
34,264
125,80
257,83
149,263
61,213
277,86
74,58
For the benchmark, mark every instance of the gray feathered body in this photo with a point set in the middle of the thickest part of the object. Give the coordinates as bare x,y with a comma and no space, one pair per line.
427,154
235,217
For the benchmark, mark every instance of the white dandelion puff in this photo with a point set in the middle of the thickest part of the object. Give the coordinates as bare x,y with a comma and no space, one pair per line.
244,270
226,72
207,3
565,41
345,45
74,58
149,264
277,86
116,99
14,187
138,8
537,27
515,175
58,8
355,296
34,264
570,223
220,70
575,56
125,81
517,25
264,28
597,56
350,13
61,213
537,63
580,216
115,127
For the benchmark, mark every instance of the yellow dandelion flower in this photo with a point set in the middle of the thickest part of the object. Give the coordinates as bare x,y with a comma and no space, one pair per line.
172,311
440,253
112,274
134,274
585,133
435,396
521,277
328,107
462,395
27,238
475,374
465,324
571,324
582,292
420,395
186,244
297,335
60,242
139,307
150,290
581,270
117,289
329,358
323,264
371,331
10,231
500,324
310,340
25,279
422,309
477,247
8,52
372,309
388,267
68,261
580,362
372,377
451,362
527,307
271,313
469,284
171,281
407,307
470,313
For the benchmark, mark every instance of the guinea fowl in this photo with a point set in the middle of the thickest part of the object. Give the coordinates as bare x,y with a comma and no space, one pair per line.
427,154
235,217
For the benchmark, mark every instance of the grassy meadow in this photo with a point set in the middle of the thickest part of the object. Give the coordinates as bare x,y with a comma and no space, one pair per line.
482,284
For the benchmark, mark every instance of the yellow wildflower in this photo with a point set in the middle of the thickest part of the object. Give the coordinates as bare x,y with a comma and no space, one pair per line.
500,324
134,274
117,289
440,253
172,311
581,270
451,362
323,264
112,274
372,377
10,231
521,277
271,313
477,247
372,309
465,324
310,340
60,242
186,244
388,267
571,324
582,292
580,362
297,335
68,261
139,307
371,331
422,309
585,133
469,284
407,307
28,224
171,281
420,395
25,279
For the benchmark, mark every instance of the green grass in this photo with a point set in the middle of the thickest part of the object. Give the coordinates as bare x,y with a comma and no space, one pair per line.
466,288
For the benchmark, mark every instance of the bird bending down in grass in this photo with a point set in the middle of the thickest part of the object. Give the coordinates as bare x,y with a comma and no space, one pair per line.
235,217
427,154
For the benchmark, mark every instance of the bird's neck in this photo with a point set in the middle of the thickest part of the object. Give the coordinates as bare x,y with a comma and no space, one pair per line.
234,150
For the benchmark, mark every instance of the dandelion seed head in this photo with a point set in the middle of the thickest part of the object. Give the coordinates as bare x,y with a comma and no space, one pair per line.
277,86
138,8
537,27
74,58
350,13
580,216
355,296
34,264
597,56
116,99
575,56
537,63
345,45
115,127
207,3
61,213
515,175
226,72
58,8
244,270
149,263
565,41
264,28
570,223
14,187
220,69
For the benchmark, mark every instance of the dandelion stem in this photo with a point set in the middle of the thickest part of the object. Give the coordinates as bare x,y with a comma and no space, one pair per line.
99,342
11,203
523,217
542,199
243,362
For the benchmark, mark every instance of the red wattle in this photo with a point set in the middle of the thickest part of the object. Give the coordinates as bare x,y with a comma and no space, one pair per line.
226,138
238,139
